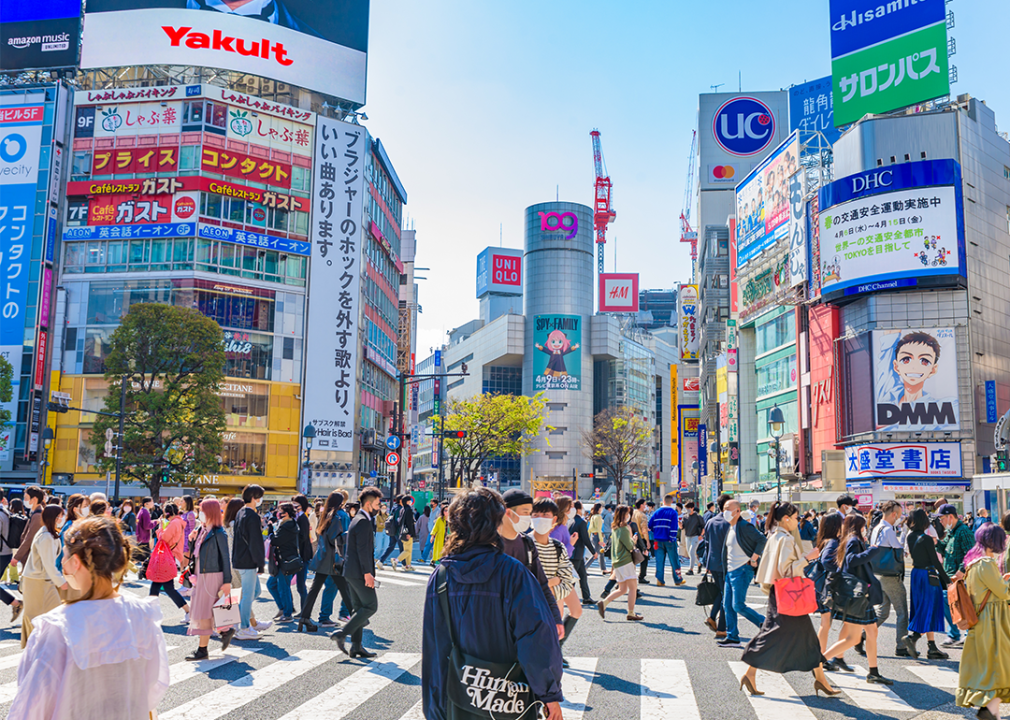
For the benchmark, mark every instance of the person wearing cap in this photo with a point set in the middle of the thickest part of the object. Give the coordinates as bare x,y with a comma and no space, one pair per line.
518,544
958,539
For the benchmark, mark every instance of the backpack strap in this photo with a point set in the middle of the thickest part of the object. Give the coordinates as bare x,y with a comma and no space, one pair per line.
530,549
442,589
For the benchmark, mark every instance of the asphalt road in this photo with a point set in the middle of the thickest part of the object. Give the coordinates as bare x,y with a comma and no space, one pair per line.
665,667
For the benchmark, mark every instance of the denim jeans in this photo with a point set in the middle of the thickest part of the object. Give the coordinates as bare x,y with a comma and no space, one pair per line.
280,590
250,593
390,550
426,549
734,601
667,549
326,601
381,543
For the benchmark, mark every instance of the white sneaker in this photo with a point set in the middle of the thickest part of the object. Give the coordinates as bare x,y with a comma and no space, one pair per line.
249,633
185,619
263,626
379,565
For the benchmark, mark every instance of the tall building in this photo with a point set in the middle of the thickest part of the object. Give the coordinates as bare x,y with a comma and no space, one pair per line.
657,309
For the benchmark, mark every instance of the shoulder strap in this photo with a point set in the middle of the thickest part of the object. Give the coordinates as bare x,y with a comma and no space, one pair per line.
558,547
530,549
442,588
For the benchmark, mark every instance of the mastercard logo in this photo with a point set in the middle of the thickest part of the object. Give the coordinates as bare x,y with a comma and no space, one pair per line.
184,207
723,172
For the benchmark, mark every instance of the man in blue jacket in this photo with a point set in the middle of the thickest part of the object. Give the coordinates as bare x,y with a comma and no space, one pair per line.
497,612
714,540
740,554
664,524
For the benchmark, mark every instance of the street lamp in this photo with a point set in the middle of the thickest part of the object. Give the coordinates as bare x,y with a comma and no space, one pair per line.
309,434
47,441
776,426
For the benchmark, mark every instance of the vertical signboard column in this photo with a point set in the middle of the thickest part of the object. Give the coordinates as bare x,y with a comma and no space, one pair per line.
335,276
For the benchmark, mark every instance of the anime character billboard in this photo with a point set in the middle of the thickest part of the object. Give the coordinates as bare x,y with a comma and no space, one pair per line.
915,379
556,363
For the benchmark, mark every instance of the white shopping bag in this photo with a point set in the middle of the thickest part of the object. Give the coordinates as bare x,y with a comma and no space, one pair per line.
226,611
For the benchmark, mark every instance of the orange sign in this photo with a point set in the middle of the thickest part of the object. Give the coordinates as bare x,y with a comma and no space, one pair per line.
246,167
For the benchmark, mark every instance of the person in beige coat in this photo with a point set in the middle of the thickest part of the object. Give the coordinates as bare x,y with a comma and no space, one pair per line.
41,580
785,643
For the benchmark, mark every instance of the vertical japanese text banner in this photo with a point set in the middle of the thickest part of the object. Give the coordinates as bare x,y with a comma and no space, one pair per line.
335,275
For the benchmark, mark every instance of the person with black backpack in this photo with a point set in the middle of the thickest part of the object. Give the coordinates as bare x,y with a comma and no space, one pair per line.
328,561
11,527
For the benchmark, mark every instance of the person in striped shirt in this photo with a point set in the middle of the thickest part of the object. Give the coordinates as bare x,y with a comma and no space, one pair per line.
556,564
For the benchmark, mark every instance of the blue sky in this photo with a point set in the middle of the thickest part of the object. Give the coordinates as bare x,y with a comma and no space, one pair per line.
486,108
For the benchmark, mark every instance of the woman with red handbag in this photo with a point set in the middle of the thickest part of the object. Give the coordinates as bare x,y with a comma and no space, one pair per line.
787,641
162,572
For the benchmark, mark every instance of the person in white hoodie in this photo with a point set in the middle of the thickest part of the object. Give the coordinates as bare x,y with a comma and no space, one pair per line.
101,656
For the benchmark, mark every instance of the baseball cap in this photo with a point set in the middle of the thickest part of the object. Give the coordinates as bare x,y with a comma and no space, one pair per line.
948,509
515,496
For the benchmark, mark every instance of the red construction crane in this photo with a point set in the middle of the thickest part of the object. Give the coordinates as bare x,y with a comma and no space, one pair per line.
686,233
603,213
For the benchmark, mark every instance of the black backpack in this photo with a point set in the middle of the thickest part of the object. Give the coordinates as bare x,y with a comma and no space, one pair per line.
16,525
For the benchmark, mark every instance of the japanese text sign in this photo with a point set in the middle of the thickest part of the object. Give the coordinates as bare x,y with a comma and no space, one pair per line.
246,167
811,109
929,459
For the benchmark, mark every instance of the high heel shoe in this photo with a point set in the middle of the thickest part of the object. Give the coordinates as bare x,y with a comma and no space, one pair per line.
307,624
750,687
820,687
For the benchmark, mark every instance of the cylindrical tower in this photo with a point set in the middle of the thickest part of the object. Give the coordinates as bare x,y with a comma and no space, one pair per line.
558,305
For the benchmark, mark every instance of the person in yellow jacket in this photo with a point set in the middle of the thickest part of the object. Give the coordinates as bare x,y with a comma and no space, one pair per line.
438,530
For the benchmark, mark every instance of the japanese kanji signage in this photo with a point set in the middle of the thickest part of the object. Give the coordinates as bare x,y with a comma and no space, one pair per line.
127,161
116,232
687,317
129,210
619,292
811,109
150,118
886,55
246,125
915,379
885,227
929,459
168,186
246,167
334,279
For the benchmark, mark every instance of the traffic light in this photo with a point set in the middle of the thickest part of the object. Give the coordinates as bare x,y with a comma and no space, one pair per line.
1002,462
454,434
59,402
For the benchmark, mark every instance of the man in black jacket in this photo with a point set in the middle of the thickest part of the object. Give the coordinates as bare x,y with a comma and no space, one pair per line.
359,572
581,542
248,555
740,555
304,544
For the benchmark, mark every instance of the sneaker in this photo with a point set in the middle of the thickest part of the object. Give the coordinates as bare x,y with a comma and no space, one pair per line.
285,619
263,626
249,633
689,572
379,565
952,643
327,624
185,619
344,619
727,643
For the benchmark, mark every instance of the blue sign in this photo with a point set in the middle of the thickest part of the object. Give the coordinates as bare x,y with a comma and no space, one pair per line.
922,173
438,358
744,126
48,10
811,109
991,413
115,232
252,239
193,90
856,24
393,442
702,451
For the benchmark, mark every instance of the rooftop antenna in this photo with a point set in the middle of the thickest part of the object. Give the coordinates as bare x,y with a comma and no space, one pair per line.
499,234
715,88
739,80
557,193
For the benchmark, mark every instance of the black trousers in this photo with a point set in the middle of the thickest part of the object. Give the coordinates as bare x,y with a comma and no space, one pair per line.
364,604
579,563
644,569
719,577
318,582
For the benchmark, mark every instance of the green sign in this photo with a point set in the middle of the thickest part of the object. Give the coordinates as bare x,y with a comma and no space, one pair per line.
894,74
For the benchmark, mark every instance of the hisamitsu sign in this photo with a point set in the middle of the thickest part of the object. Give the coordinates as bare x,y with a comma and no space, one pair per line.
929,459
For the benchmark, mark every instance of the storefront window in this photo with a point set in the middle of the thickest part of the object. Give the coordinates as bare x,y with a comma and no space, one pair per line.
776,333
96,349
777,376
243,454
246,313
245,406
248,355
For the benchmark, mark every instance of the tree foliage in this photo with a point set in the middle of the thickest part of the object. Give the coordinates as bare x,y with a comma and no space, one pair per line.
496,426
173,361
6,388
619,441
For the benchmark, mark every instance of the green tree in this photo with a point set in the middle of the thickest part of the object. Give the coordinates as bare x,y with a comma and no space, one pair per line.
6,395
172,360
496,426
619,441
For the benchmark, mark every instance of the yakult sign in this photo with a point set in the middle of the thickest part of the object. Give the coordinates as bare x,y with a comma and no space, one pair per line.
500,271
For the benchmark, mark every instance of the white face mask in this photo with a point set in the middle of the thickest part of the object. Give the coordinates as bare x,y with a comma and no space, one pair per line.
727,515
542,526
571,515
203,518
522,524
84,511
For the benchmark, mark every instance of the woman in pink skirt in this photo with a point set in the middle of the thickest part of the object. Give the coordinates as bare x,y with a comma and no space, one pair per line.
212,580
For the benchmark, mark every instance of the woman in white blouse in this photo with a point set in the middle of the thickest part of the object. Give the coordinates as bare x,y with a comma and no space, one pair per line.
101,656
41,579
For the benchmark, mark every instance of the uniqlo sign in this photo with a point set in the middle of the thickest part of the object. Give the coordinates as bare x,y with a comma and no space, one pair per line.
619,292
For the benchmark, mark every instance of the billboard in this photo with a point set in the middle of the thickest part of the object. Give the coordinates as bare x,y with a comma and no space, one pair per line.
763,202
687,317
886,55
927,459
674,420
321,46
40,35
812,109
735,131
687,422
556,364
619,292
334,279
915,379
891,227
500,271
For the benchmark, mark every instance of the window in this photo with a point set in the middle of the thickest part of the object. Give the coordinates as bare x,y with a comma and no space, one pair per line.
217,115
243,454
192,113
778,332
81,169
244,405
1006,172
236,210
723,248
189,157
279,219
777,376
299,223
210,205
301,178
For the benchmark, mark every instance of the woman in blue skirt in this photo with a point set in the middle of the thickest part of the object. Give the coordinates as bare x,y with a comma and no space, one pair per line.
927,590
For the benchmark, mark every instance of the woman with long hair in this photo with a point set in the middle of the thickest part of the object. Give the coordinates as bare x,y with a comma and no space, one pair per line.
423,527
927,599
596,533
785,643
327,563
81,654
854,557
78,506
828,535
622,546
212,580
984,674
172,533
284,548
41,580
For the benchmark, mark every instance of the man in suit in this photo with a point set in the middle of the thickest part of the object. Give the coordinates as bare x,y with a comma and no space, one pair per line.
359,572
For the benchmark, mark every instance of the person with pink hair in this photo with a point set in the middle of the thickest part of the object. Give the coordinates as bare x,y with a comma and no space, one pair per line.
212,579
558,346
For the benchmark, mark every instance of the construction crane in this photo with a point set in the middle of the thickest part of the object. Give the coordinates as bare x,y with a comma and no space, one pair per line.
688,235
603,213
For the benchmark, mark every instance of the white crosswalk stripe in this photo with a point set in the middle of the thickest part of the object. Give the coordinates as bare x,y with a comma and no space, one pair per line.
186,669
415,713
938,677
869,697
576,684
666,691
779,699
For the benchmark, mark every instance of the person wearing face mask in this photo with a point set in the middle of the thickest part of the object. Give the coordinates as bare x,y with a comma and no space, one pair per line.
892,576
359,572
34,500
565,512
284,557
248,557
957,541
76,509
516,522
212,580
41,580
555,562
79,655
622,546
743,548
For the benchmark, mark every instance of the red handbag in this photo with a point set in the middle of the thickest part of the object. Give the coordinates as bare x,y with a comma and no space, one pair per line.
161,567
795,596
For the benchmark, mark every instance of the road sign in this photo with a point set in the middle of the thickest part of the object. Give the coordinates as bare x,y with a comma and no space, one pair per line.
420,484
438,358
109,434
392,458
108,447
393,442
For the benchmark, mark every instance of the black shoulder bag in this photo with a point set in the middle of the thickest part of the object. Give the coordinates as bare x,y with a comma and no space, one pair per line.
708,591
481,690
